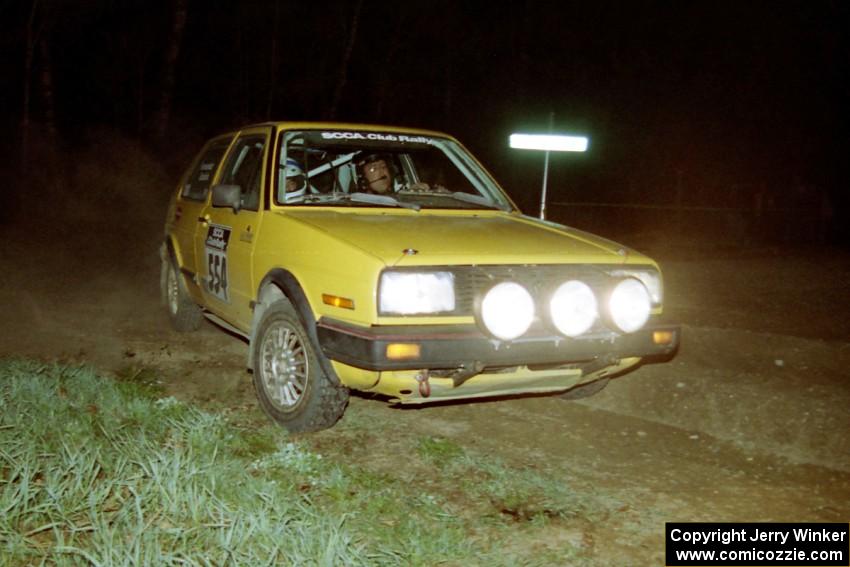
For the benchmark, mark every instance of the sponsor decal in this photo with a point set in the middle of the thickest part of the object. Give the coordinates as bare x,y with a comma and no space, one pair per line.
218,239
376,137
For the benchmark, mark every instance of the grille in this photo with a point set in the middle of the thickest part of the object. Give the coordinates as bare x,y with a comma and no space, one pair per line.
540,280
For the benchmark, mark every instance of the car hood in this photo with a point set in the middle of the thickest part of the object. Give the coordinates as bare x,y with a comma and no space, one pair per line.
408,238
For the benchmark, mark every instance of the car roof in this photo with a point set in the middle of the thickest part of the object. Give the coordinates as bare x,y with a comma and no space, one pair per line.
297,125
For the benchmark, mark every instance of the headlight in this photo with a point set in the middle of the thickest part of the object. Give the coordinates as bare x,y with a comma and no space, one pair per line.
507,310
648,277
629,305
414,293
573,308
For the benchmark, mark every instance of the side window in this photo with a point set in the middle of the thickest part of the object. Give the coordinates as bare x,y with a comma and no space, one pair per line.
300,174
308,171
244,168
198,183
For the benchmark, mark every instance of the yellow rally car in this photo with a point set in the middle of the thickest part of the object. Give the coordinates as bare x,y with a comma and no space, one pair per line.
388,260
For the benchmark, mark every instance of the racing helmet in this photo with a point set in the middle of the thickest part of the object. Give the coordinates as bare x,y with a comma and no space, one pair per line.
293,170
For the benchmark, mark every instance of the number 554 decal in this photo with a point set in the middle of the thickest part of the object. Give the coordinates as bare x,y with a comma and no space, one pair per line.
218,238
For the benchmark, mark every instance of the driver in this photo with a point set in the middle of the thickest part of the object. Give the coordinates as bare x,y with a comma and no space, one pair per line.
295,184
376,175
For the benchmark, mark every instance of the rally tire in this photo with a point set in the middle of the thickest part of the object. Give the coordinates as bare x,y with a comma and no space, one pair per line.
183,313
291,385
585,390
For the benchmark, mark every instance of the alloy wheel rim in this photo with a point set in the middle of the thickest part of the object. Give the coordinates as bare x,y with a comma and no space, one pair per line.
284,367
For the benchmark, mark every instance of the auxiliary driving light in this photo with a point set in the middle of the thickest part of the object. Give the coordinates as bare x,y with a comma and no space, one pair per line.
507,310
573,308
629,305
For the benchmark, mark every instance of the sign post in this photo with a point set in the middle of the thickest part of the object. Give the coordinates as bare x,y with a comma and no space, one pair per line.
548,143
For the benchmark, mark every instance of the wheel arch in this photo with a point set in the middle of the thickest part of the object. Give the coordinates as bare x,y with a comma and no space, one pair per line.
279,284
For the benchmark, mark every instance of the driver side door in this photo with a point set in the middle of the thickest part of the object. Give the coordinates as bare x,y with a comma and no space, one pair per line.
224,244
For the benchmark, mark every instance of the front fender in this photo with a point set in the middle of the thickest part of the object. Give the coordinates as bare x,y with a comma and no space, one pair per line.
278,284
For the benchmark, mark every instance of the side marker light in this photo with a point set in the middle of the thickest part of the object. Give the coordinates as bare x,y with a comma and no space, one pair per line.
337,301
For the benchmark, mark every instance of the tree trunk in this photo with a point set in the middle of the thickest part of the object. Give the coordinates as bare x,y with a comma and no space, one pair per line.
180,11
448,99
140,95
25,112
47,90
521,61
273,63
342,77
242,80
384,78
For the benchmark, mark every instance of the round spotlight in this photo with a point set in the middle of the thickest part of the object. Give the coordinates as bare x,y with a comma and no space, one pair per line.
507,310
573,308
629,305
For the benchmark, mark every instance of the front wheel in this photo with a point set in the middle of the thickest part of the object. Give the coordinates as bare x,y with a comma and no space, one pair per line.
291,385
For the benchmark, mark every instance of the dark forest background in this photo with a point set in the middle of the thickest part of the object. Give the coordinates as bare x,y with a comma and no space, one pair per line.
725,118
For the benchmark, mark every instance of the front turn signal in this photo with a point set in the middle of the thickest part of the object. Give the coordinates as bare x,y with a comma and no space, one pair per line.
403,351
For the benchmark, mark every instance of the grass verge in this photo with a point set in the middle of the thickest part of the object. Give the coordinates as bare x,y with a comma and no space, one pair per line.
105,472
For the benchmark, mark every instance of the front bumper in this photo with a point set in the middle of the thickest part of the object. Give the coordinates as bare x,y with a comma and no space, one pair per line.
466,346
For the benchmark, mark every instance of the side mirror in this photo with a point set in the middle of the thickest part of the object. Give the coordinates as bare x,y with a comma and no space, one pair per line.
227,196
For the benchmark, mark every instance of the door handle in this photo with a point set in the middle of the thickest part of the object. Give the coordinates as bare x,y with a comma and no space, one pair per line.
204,219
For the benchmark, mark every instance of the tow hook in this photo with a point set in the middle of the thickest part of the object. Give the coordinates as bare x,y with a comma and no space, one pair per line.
467,371
424,386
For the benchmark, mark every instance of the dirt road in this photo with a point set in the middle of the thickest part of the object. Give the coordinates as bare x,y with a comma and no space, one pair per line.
749,422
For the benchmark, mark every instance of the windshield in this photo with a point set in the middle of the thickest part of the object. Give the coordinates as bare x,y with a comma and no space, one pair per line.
373,169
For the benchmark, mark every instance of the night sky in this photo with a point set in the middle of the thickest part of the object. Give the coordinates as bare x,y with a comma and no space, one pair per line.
722,100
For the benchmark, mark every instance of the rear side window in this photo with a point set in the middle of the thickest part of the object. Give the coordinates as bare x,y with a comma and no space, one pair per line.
198,183
244,168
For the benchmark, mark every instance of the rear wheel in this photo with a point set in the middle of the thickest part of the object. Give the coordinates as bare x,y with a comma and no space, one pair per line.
184,314
291,385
